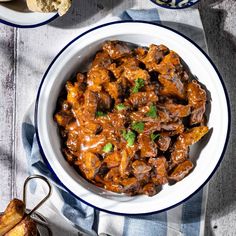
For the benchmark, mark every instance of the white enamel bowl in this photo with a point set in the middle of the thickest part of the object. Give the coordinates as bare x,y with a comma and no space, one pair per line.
70,60
16,13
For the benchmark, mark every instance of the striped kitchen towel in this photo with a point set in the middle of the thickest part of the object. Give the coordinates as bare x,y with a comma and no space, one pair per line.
186,219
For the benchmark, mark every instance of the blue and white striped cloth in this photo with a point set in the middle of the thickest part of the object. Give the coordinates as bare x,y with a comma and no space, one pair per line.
186,219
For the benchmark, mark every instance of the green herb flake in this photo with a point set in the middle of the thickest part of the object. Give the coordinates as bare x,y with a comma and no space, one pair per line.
129,137
139,83
138,127
154,136
152,111
108,147
100,113
120,107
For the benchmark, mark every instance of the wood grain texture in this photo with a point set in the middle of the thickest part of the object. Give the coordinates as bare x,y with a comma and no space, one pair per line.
7,105
219,20
26,53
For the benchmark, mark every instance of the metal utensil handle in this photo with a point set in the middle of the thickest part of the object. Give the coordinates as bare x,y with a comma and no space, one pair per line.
44,199
40,220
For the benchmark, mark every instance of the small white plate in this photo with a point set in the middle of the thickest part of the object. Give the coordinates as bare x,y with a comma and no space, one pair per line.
73,56
16,13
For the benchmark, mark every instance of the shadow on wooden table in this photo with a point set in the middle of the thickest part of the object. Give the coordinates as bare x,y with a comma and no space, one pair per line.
222,49
85,12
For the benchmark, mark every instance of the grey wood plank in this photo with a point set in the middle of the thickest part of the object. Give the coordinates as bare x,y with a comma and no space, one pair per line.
7,91
219,20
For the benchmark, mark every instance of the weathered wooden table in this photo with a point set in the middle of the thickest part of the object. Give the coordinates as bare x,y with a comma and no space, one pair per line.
25,54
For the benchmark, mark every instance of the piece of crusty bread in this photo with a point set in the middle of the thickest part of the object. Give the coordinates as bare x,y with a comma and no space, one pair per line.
62,6
13,214
27,227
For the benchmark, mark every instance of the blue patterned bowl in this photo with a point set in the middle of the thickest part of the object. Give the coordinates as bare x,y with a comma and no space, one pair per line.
175,4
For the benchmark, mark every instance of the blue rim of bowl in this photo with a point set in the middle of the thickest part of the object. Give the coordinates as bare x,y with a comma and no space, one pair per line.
45,158
29,26
174,8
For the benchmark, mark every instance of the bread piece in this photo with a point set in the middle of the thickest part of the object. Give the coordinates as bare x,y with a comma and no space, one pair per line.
62,6
26,227
40,5
13,214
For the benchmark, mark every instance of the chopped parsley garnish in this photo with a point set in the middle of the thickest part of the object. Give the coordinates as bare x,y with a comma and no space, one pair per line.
129,137
154,136
138,127
139,83
108,147
152,111
120,107
100,113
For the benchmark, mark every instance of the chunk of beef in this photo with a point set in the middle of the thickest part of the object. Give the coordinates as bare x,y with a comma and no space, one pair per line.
113,176
74,93
172,85
131,186
116,70
116,49
150,189
63,118
170,64
176,127
97,76
93,143
91,164
113,159
177,110
124,164
152,126
118,120
160,166
197,100
90,104
141,52
140,167
184,140
114,89
182,170
133,74
143,178
147,146
91,127
153,57
102,60
104,101
163,143
70,157
142,98
72,141
118,188
129,62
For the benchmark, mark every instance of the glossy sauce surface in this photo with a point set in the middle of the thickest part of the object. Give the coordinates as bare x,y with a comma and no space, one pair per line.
127,123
